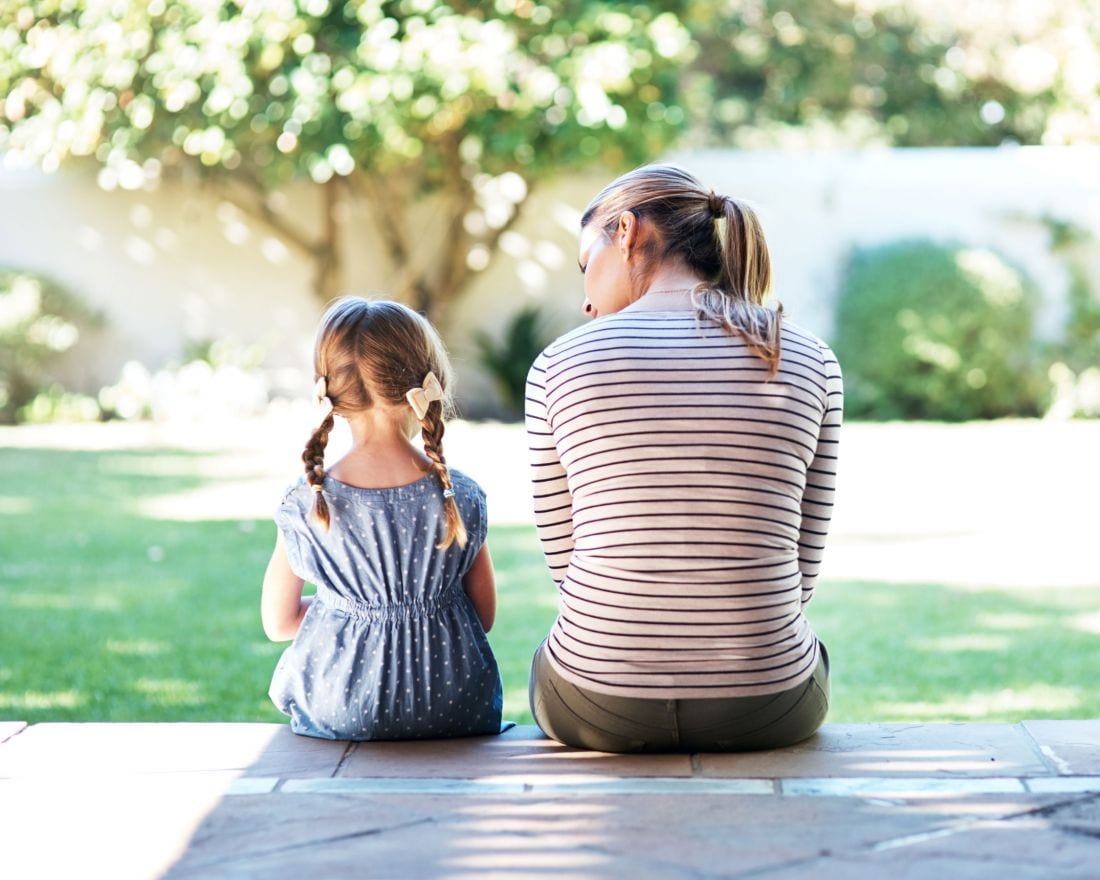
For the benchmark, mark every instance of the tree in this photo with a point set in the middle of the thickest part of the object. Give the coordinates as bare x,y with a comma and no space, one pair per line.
460,106
913,73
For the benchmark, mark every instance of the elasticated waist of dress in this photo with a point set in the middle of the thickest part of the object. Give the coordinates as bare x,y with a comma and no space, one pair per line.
393,611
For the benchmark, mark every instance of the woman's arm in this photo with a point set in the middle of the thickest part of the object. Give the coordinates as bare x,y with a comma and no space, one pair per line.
817,499
282,605
480,584
552,500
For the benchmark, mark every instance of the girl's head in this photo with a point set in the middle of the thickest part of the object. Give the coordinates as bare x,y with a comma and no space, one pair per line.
371,354
660,217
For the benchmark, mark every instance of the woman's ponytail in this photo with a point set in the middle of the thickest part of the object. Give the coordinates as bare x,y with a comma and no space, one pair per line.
736,300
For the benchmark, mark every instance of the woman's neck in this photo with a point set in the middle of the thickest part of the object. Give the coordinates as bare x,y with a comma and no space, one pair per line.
668,289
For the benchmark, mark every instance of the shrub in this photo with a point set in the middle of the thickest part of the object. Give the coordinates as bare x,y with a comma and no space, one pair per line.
509,360
39,322
1075,370
930,331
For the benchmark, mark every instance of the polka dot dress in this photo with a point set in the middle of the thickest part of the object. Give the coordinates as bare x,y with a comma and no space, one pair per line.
391,648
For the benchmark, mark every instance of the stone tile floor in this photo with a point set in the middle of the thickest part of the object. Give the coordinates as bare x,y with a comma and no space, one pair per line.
904,801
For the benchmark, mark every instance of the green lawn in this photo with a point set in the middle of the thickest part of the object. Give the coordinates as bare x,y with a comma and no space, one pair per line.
106,614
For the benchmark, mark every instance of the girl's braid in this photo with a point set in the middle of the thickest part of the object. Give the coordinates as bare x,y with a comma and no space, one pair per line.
432,434
314,458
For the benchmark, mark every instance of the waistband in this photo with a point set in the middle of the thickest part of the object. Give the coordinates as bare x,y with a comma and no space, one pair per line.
392,611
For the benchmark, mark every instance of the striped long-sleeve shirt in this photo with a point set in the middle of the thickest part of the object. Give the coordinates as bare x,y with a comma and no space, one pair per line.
682,499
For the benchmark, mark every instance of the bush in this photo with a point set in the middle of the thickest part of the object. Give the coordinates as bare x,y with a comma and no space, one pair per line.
509,360
1075,370
929,331
38,323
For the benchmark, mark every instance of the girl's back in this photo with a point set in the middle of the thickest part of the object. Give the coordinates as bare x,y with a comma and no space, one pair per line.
391,648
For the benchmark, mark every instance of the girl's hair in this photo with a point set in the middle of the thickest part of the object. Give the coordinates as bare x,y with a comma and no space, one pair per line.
718,237
374,352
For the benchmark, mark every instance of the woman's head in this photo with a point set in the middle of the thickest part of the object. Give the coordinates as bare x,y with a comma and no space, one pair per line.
371,354
659,218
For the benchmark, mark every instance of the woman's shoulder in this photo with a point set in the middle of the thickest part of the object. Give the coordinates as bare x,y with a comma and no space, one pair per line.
796,334
603,329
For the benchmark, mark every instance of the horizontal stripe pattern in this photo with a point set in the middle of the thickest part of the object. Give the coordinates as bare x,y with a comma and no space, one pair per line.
682,500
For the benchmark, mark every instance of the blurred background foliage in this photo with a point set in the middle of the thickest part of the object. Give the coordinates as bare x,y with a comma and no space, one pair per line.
938,332
467,107
39,321
472,104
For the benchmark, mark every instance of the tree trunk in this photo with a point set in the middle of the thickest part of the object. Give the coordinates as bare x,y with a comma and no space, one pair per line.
328,252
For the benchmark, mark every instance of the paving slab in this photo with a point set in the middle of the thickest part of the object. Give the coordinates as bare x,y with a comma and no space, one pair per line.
8,729
119,827
98,749
519,751
640,837
1072,747
950,750
910,802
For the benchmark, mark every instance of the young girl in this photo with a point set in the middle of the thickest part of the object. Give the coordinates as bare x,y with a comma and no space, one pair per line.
393,645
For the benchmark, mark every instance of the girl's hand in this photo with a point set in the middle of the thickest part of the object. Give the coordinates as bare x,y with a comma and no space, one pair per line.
480,584
282,606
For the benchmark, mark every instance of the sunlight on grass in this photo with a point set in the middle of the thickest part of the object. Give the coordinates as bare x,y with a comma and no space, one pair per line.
136,648
965,642
1008,621
46,601
38,701
1089,623
170,691
1028,702
14,506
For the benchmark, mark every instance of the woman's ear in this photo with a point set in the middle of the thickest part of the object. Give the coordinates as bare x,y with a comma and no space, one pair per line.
626,233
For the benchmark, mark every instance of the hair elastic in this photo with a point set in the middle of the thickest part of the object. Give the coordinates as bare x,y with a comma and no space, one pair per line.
448,493
316,487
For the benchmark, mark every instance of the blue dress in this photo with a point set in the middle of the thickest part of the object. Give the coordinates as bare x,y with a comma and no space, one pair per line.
391,647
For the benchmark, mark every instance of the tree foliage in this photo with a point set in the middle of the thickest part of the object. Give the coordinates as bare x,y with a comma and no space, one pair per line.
442,116
389,101
913,73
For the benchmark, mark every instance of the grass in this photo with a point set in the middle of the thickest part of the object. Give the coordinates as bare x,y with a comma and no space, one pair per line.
108,614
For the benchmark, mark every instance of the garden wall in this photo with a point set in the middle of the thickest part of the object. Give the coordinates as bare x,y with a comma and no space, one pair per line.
177,265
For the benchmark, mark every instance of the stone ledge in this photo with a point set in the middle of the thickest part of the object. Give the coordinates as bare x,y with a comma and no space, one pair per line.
944,751
913,801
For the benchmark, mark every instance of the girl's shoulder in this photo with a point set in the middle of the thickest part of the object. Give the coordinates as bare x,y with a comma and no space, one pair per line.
466,486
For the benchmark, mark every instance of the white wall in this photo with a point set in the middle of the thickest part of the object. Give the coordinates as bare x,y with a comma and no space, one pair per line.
175,264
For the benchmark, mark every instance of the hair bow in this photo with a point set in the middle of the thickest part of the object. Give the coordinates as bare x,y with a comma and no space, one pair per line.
419,398
324,402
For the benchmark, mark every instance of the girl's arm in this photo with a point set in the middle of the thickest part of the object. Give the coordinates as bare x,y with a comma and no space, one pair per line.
480,584
282,606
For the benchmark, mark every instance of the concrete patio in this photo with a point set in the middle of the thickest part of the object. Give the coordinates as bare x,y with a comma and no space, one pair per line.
252,800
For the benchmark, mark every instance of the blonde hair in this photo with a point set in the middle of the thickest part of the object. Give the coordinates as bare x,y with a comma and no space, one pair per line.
376,351
718,237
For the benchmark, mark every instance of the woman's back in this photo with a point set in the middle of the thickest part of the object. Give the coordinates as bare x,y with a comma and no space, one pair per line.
688,533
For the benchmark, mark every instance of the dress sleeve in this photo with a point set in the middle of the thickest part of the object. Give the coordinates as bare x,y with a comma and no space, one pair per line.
291,523
478,531
553,503
817,500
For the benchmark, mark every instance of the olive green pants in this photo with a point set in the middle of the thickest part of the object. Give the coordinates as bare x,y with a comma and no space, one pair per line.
587,719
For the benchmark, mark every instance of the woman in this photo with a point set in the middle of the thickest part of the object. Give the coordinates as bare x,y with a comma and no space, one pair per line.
684,449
